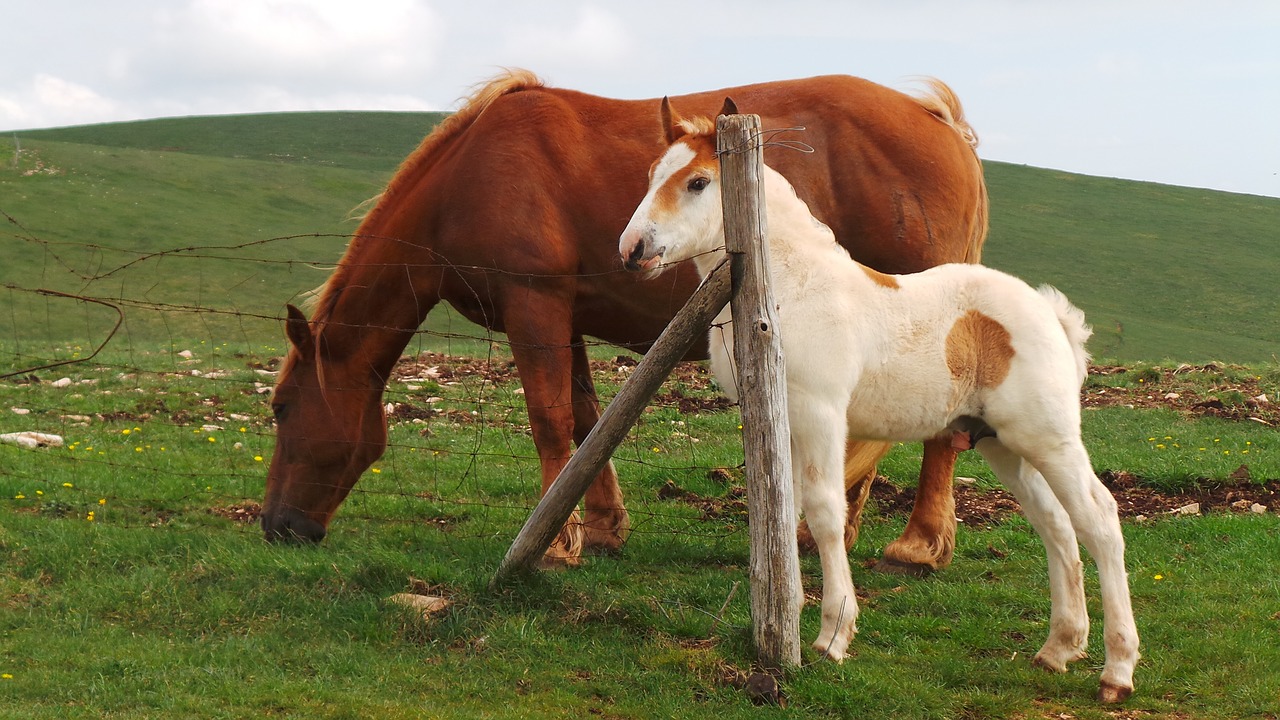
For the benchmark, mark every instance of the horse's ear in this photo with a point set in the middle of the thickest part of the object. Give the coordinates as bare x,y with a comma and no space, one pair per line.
730,107
670,122
298,330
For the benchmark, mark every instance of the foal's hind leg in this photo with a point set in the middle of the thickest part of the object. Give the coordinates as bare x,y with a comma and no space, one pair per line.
1069,616
1096,520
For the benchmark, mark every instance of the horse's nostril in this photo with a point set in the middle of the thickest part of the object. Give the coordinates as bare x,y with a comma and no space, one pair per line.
637,253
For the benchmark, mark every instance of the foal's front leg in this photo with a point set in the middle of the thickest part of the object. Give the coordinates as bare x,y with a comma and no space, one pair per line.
817,458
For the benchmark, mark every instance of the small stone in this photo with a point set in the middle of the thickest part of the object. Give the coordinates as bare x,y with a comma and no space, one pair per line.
1258,508
61,382
428,605
1189,509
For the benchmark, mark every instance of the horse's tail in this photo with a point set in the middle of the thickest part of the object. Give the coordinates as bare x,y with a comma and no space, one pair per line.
940,100
1073,324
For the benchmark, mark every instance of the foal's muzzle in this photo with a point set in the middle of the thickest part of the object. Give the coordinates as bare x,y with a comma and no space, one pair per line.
635,260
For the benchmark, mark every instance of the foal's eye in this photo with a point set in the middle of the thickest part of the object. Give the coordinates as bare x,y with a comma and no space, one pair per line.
699,184
278,411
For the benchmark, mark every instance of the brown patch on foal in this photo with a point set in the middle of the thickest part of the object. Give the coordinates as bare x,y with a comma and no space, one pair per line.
979,351
879,278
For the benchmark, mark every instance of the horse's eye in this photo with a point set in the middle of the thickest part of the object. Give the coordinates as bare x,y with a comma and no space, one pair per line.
699,184
277,409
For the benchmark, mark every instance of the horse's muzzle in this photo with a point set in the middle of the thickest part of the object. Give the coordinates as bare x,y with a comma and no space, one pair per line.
291,526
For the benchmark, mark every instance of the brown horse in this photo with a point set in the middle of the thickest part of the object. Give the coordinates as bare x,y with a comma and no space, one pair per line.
510,211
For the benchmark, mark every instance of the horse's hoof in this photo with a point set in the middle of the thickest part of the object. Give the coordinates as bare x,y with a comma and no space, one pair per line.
1110,693
556,561
893,566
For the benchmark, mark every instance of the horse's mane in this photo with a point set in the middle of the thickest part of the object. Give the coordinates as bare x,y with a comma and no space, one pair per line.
510,80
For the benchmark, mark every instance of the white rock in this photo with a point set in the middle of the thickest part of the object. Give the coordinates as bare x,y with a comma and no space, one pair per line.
186,354
20,411
1258,508
1190,509
61,382
31,439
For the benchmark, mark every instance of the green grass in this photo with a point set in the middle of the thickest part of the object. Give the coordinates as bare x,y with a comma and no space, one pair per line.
163,606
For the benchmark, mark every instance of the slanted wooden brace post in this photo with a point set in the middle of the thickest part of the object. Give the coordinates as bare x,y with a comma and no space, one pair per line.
776,593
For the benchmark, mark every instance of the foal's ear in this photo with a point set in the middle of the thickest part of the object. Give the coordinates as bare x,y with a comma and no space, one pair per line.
298,330
670,122
730,107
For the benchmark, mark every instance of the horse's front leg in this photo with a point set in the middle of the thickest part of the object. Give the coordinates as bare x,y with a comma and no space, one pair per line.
930,536
538,326
607,524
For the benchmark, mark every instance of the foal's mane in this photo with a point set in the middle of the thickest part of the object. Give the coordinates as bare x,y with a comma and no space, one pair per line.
482,96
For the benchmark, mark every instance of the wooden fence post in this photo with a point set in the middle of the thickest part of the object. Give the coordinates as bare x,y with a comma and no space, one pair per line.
776,592
691,323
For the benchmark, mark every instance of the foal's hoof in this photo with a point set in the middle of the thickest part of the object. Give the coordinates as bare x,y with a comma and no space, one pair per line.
1111,694
893,566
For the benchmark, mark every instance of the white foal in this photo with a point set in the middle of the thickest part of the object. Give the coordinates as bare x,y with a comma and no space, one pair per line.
958,348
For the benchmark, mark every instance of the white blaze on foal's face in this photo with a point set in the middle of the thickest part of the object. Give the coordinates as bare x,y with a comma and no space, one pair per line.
681,215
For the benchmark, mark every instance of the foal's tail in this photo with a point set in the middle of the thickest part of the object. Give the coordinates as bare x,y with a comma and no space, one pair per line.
1073,324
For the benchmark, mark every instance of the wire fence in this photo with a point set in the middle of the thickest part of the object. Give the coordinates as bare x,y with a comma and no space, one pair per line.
153,369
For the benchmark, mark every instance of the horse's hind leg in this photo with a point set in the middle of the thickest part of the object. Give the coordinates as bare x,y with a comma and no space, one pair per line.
929,539
1069,616
607,523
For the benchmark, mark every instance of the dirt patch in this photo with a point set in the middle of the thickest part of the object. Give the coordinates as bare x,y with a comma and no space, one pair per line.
982,507
242,512
1211,390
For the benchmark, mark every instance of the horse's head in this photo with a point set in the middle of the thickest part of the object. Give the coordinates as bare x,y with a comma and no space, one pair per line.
330,428
681,216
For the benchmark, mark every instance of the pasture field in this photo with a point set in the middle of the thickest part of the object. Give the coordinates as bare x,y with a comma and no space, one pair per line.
135,584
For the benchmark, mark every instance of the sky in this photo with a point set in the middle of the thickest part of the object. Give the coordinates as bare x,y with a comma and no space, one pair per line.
1170,91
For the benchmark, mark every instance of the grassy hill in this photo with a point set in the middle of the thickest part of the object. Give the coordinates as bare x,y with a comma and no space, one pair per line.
249,210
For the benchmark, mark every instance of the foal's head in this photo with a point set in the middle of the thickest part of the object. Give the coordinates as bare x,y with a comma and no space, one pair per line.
681,215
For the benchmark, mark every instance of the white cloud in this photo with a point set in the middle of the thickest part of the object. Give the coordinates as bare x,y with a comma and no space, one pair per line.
50,100
591,35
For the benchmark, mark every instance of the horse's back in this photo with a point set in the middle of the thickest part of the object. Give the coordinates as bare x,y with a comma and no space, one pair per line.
541,182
